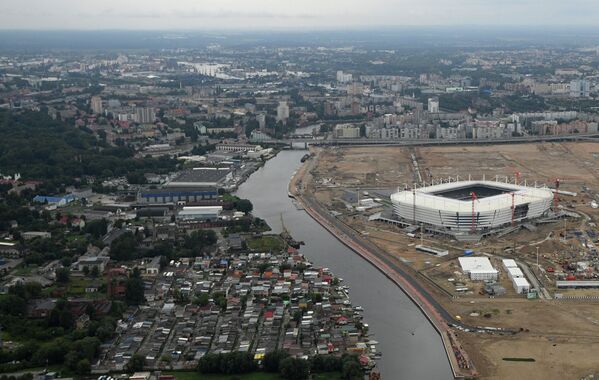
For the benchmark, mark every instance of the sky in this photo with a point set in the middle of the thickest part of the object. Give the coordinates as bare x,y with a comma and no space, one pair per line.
290,14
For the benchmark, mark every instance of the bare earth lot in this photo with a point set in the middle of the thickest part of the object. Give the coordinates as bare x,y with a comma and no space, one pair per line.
561,336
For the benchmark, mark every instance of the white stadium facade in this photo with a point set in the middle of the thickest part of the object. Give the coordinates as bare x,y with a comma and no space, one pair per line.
471,206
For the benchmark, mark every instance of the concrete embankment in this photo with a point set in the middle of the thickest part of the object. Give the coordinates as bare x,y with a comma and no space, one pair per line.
459,362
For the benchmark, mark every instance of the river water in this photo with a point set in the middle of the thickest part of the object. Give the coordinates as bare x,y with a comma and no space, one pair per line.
411,347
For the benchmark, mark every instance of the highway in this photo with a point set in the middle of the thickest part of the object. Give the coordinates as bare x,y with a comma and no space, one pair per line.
432,142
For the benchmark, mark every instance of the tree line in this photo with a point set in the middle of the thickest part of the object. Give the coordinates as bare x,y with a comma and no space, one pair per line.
279,361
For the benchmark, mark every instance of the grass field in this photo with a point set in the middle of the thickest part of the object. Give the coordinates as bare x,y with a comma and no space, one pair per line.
267,243
185,375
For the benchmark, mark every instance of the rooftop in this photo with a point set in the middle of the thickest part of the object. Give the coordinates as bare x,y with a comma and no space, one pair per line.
481,190
456,196
200,176
476,264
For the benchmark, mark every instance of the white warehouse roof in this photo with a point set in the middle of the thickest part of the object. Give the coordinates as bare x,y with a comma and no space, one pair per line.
510,263
476,265
202,209
515,272
520,282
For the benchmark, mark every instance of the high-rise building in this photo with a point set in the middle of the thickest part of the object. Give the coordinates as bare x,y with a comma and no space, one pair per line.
282,112
580,88
261,119
96,103
145,115
344,77
433,105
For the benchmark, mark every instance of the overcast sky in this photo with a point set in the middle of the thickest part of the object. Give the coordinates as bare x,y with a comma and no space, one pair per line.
291,14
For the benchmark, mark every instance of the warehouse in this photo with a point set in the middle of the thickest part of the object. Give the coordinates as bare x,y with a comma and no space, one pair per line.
200,213
202,177
521,285
176,195
471,206
479,268
509,263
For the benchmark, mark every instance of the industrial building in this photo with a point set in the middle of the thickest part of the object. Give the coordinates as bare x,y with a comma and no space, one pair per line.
521,285
176,195
200,213
202,177
471,206
479,268
516,275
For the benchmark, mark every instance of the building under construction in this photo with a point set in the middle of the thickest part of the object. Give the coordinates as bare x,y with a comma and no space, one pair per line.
471,207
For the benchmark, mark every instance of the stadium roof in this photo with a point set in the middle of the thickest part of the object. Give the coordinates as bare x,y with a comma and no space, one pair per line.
431,197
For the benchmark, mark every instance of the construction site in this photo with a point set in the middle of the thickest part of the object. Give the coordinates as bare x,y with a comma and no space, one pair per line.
534,275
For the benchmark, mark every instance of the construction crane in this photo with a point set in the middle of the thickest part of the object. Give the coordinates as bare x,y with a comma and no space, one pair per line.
513,208
556,195
557,181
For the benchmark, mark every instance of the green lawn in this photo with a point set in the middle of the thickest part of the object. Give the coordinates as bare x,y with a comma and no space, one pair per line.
184,375
267,243
24,270
199,376
76,287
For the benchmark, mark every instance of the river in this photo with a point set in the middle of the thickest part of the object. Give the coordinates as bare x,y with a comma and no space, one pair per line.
411,347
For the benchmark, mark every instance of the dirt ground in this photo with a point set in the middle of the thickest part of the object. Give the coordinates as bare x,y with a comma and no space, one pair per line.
574,163
554,357
561,336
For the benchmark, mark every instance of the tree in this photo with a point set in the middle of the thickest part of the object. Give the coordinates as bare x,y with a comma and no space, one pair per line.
63,275
61,316
244,205
352,370
134,289
13,305
273,359
295,369
209,363
136,363
71,359
202,300
230,363
136,178
237,362
124,247
97,228
83,367
95,271
198,240
326,363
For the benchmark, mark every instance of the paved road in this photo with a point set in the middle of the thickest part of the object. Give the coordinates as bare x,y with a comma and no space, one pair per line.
365,141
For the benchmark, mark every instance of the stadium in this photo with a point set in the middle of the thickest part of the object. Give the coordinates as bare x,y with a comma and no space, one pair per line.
472,207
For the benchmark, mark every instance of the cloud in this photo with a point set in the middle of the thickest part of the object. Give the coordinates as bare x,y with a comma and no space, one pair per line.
182,14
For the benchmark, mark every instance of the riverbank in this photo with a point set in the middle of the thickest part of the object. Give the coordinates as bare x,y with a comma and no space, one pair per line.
460,363
412,348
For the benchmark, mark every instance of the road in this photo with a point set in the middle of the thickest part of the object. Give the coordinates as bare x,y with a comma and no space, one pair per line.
365,141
